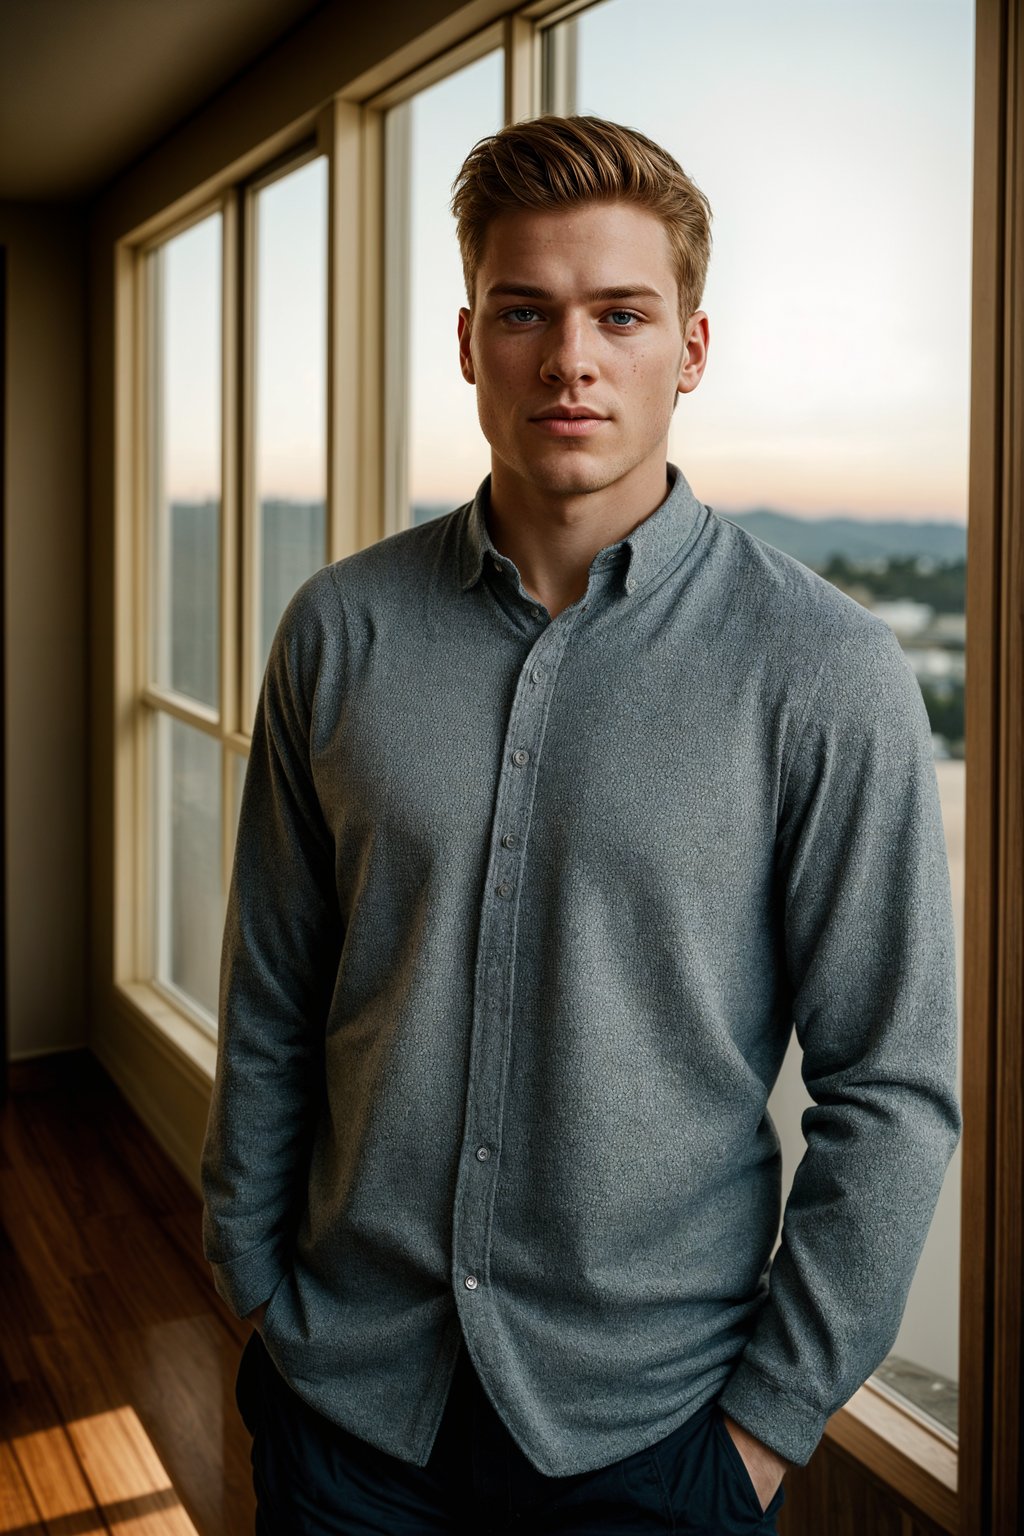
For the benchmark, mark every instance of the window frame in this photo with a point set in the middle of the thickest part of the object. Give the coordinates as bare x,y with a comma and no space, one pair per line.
991,1449
155,700
141,701
975,1487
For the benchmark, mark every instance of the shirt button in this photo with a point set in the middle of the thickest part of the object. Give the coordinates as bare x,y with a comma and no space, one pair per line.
496,564
483,1153
535,612
471,1282
504,889
537,674
520,756
509,840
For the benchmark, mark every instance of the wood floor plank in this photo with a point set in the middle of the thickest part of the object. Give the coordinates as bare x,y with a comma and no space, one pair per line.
159,1185
117,1371
130,1484
184,1230
53,1474
143,1264
18,1511
31,1185
21,1309
180,1378
37,1244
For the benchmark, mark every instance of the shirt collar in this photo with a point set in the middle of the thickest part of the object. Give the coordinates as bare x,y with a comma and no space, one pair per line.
661,537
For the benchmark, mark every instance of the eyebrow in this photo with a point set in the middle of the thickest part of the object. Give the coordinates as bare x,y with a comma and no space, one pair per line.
528,291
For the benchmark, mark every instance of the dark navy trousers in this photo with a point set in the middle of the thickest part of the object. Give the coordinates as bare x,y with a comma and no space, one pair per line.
311,1477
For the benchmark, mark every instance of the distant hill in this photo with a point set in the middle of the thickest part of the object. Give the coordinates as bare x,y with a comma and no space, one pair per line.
816,540
426,511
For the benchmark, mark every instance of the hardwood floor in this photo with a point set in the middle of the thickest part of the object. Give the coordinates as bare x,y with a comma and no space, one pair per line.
117,1357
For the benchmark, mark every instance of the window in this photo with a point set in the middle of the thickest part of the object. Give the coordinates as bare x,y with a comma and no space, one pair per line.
833,415
288,410
213,319
184,292
438,451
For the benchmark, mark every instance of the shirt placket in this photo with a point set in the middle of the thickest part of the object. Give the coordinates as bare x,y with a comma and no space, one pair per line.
480,1158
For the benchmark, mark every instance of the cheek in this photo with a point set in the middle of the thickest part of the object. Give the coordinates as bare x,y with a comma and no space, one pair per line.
653,379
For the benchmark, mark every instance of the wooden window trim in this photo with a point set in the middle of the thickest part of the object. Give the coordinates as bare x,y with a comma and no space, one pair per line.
917,1462
992,1253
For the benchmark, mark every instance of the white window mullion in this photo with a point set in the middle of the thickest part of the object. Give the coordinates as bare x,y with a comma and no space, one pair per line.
397,274
354,291
560,69
248,553
231,381
522,40
161,874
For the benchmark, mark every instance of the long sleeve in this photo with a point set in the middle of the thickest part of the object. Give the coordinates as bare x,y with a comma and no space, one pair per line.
278,965
864,884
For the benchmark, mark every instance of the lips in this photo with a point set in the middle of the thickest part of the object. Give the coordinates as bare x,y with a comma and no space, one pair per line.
567,413
568,421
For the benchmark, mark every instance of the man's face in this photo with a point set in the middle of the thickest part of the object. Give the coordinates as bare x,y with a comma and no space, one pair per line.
575,346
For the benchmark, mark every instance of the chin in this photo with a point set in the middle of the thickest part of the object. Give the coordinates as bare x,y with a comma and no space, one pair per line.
572,474
579,479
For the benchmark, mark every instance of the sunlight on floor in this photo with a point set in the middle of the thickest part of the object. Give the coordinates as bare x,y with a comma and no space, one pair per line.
103,1466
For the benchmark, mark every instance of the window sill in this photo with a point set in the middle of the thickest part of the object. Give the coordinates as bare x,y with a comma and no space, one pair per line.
916,1462
177,1033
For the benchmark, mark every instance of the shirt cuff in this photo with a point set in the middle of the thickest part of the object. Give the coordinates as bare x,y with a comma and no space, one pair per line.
786,1424
246,1281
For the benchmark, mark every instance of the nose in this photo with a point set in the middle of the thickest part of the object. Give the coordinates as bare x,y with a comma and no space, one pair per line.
569,356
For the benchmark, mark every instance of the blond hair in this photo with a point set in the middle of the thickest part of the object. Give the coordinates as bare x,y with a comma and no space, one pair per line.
555,162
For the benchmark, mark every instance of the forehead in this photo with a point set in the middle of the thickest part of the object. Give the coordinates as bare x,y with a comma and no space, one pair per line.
591,245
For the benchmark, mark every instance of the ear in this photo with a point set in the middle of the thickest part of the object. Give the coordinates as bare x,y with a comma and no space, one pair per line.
465,339
695,352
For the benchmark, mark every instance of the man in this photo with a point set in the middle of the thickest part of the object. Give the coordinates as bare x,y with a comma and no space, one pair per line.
562,812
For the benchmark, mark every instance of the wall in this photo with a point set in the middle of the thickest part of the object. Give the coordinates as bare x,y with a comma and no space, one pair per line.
46,628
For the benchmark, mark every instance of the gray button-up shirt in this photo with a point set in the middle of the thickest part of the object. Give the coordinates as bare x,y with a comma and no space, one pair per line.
523,913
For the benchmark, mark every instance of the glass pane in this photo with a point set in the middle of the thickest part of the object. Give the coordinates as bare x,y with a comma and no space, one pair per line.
290,383
446,455
189,889
832,419
184,288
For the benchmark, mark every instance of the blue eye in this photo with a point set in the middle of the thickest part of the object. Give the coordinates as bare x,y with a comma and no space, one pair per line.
618,315
521,316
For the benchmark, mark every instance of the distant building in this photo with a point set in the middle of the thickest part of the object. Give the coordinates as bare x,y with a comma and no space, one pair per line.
905,616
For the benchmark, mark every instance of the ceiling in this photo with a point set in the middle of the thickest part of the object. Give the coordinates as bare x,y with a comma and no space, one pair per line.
87,86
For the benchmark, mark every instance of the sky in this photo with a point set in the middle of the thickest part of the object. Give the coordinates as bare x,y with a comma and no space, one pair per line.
834,142
289,383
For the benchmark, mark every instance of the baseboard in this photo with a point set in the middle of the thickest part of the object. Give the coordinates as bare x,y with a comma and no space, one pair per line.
48,1050
161,1085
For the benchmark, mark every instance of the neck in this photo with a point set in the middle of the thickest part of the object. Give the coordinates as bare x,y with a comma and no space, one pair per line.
552,538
